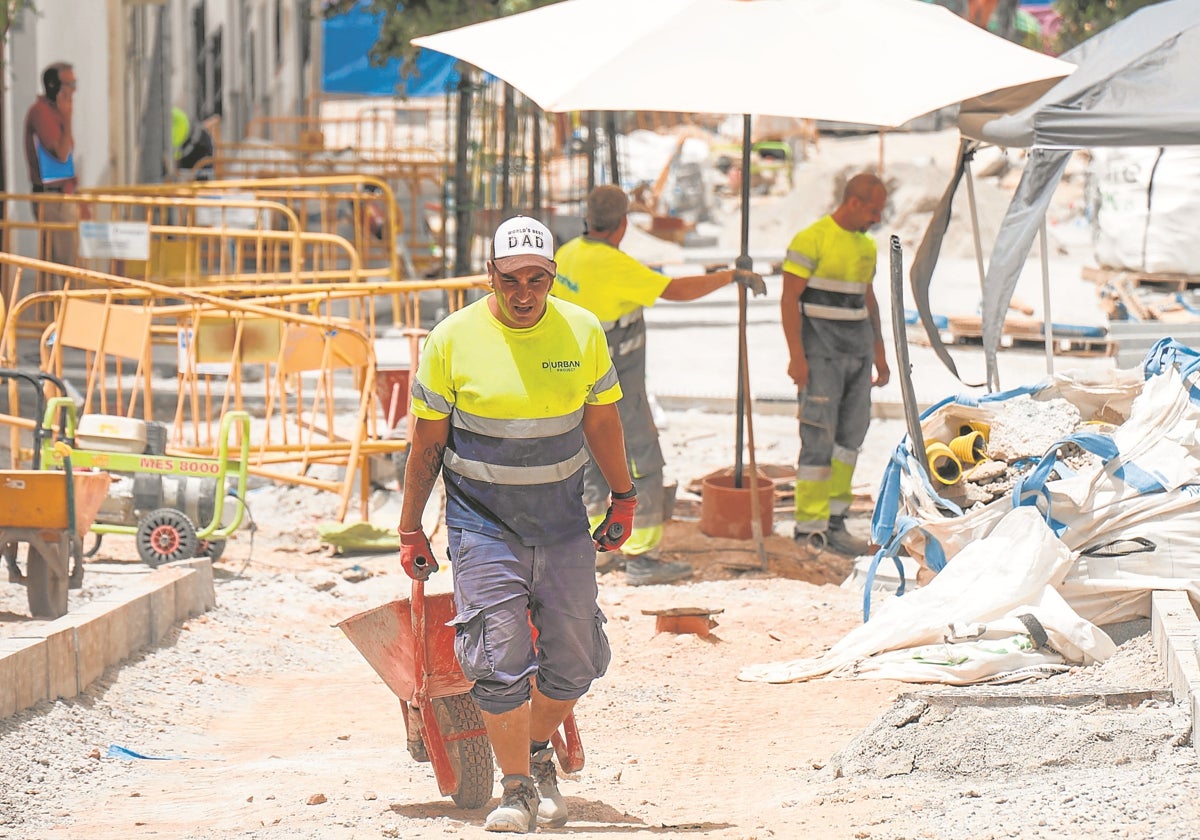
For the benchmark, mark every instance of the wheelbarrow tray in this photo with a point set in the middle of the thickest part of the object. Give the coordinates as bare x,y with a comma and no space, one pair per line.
37,499
385,638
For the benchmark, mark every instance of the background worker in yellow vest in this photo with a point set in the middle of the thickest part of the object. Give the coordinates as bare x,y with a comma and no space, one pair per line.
831,322
614,286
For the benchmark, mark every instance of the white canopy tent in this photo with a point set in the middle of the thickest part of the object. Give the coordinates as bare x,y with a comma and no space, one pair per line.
1137,84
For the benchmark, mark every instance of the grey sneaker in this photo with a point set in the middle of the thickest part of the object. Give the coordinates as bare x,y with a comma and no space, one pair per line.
644,571
837,522
552,811
517,809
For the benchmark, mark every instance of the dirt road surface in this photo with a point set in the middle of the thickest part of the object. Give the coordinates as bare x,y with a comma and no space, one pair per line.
262,721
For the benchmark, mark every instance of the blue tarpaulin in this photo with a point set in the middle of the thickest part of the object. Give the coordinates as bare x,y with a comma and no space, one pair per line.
347,69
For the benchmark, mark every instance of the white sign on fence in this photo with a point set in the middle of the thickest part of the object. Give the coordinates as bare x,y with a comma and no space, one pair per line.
114,240
239,218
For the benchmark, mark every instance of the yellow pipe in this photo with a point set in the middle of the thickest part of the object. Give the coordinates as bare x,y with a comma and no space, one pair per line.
943,463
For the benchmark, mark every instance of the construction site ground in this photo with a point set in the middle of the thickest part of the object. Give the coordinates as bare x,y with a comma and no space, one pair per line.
259,719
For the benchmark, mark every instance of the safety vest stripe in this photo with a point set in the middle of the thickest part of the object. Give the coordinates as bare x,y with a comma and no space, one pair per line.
828,284
606,381
626,320
846,456
432,399
801,259
514,476
524,428
834,313
628,346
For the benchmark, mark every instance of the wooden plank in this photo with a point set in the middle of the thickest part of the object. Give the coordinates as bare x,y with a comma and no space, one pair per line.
1103,276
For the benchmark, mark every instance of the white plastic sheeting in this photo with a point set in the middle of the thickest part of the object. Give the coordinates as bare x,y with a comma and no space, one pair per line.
1074,549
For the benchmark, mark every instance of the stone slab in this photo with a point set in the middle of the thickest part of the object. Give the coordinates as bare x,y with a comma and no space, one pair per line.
23,678
63,657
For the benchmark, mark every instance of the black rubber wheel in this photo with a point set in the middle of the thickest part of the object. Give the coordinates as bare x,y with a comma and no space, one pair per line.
212,549
75,579
471,757
164,536
91,552
47,591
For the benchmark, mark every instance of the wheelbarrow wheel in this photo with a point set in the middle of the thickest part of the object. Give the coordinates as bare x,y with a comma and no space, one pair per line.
46,590
164,536
470,757
212,549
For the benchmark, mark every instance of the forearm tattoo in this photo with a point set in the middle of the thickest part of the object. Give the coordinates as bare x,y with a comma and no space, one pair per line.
429,466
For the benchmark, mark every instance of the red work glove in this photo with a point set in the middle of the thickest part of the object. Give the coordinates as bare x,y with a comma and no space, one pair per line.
618,522
416,556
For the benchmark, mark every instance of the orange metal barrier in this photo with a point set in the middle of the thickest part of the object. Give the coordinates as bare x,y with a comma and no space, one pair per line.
176,241
310,373
413,124
361,208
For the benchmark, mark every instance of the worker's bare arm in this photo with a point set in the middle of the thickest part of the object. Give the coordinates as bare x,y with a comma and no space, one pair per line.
789,316
606,440
427,448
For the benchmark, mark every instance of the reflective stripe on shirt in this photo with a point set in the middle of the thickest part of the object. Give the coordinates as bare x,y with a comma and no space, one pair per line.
518,476
523,428
834,313
828,284
801,260
624,321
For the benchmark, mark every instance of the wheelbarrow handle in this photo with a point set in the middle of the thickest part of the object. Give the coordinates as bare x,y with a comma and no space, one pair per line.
435,744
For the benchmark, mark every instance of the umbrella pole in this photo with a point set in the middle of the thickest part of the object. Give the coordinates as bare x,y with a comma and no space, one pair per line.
756,529
744,409
744,262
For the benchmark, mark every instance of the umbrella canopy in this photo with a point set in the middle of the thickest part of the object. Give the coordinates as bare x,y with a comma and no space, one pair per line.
881,62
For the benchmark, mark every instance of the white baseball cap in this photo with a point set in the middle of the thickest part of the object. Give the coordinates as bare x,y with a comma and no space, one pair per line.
522,241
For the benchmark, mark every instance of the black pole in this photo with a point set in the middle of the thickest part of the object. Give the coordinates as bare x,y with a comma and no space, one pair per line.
536,120
462,189
510,126
743,262
610,128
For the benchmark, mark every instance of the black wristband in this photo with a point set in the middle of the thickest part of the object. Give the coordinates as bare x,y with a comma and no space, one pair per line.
628,494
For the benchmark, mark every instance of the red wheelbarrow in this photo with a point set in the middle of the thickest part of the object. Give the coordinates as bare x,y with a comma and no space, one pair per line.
410,644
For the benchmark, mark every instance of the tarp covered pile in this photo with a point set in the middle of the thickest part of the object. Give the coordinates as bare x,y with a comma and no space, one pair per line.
1022,581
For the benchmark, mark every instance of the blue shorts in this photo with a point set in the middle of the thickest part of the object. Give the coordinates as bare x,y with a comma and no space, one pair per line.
499,587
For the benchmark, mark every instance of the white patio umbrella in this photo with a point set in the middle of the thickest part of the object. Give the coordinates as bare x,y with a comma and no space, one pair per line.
880,62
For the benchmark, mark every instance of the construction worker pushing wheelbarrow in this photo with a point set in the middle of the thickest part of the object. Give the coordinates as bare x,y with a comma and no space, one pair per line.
510,396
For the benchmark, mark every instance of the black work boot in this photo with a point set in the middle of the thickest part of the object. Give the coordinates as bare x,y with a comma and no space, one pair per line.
646,571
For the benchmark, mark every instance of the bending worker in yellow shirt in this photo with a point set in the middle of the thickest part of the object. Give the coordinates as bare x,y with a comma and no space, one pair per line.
594,274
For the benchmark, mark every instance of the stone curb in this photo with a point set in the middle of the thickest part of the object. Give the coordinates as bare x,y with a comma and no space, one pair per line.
1176,633
61,658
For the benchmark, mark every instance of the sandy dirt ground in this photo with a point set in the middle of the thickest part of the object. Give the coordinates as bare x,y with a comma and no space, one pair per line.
269,724
266,722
